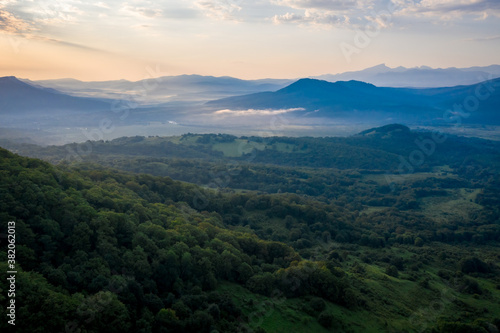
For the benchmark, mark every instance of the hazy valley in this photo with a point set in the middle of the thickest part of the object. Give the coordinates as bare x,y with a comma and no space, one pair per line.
63,111
213,204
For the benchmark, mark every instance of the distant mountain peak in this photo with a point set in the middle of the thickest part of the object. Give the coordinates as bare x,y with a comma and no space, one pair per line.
7,83
416,77
308,83
355,84
9,79
380,67
19,96
387,129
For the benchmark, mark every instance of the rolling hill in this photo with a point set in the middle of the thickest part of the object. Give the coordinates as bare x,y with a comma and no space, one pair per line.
165,88
17,96
305,234
355,99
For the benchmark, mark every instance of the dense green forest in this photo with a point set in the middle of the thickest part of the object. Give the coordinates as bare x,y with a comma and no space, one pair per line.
214,233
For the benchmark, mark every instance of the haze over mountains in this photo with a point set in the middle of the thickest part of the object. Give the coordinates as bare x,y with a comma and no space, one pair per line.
418,77
163,89
226,104
17,96
197,88
354,99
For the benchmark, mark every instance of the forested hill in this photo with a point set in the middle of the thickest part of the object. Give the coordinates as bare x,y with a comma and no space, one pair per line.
104,250
373,149
325,167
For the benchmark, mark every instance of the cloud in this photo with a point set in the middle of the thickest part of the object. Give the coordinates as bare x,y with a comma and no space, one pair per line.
141,26
449,9
312,18
65,43
219,9
148,12
483,39
255,112
325,13
13,25
356,14
53,12
22,18
102,5
329,5
30,29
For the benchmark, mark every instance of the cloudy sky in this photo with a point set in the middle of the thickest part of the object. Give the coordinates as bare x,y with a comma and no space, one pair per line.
135,39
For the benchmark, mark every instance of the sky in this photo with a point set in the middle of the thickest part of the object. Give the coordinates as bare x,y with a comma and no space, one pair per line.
249,39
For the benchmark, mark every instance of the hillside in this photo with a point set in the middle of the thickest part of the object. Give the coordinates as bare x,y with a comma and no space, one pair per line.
100,248
267,164
373,149
19,97
351,100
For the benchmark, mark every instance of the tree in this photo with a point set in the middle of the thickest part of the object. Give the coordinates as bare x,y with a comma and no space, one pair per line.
245,272
200,322
325,318
392,270
103,311
474,265
262,283
419,242
167,318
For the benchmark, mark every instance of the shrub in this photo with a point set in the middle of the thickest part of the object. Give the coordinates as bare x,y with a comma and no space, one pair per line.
325,319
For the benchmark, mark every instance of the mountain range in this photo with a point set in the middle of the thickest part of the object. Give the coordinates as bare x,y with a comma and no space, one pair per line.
417,77
71,103
195,88
154,91
359,100
19,97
